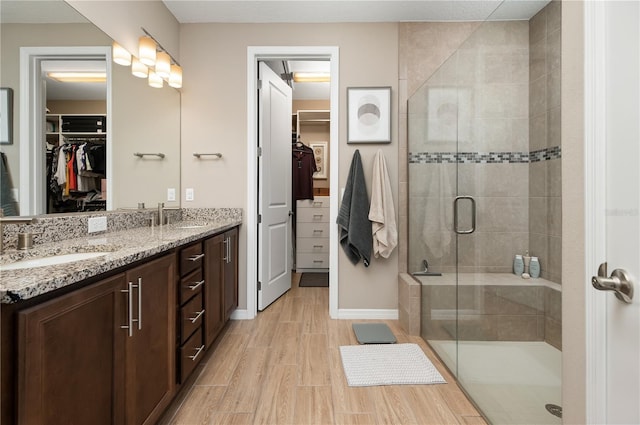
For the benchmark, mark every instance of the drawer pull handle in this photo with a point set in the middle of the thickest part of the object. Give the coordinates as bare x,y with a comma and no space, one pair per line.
318,246
317,231
195,356
318,261
317,216
196,285
317,203
195,257
198,314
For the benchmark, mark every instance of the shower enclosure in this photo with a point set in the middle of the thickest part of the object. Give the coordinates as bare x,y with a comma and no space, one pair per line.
484,185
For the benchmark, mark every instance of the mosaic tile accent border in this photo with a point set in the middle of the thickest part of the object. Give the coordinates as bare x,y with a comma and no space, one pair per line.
485,157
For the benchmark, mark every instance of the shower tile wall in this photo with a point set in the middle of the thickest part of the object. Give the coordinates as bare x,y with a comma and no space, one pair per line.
545,202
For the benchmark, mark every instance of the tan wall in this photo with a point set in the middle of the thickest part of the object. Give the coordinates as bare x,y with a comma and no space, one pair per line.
214,113
14,36
574,281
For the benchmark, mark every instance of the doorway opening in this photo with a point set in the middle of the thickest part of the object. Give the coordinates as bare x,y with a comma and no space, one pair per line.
292,55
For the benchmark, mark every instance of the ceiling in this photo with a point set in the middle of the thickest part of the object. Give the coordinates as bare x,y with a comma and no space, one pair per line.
323,11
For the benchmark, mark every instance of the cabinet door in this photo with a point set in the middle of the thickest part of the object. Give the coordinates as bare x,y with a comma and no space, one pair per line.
213,288
70,367
231,273
150,350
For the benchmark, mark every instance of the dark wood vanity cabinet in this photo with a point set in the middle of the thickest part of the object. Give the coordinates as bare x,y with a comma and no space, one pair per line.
102,354
221,277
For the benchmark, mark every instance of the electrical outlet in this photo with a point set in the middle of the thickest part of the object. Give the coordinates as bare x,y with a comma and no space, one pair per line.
97,224
189,194
171,194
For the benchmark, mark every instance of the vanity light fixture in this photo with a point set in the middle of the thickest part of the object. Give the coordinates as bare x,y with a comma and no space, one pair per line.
175,78
147,50
138,69
120,55
78,76
311,77
155,80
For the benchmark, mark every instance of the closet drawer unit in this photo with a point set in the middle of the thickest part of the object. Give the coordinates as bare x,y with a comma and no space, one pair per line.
316,202
312,261
312,245
312,230
313,215
191,317
191,258
191,285
190,354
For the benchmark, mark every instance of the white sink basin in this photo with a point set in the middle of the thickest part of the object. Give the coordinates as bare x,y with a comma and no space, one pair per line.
52,260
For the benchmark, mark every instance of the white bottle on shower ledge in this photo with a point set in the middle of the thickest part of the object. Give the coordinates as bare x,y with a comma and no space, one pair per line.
534,268
518,265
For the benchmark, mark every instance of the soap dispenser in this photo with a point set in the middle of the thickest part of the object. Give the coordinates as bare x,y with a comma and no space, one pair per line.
527,260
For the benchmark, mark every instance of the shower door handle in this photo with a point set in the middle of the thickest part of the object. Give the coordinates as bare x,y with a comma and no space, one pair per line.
619,283
456,202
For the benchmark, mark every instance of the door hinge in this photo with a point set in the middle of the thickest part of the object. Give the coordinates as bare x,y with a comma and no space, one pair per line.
259,218
259,151
259,286
259,84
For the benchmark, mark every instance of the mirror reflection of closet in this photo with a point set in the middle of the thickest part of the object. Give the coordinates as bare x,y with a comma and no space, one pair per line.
76,114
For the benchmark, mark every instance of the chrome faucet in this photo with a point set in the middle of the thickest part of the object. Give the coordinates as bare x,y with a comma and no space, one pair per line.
12,220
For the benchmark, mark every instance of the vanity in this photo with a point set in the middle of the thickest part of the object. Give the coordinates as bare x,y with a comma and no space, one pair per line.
110,339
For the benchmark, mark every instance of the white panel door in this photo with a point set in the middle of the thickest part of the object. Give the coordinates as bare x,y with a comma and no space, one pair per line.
274,187
620,335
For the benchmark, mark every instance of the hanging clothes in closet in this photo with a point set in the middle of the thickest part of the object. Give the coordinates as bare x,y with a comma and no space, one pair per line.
303,166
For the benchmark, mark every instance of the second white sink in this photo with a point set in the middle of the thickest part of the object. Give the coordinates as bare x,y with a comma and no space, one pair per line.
52,260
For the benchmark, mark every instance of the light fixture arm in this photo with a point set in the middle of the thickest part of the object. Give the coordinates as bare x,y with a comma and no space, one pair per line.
160,46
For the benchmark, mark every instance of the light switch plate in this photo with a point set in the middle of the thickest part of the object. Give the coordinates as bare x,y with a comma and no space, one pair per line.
189,194
171,194
97,224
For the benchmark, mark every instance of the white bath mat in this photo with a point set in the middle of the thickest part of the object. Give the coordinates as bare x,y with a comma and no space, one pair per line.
387,364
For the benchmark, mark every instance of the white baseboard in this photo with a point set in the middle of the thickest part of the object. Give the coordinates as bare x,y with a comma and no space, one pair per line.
240,315
387,314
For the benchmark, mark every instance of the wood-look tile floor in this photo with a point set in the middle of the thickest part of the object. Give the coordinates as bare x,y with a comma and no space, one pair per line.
284,367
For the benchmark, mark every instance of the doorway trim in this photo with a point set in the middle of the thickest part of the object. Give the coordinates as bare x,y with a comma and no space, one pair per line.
255,54
595,220
32,196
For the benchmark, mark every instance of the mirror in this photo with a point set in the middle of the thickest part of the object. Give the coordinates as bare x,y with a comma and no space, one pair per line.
142,119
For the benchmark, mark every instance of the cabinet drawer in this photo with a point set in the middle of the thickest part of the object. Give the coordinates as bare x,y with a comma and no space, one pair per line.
191,285
312,245
312,261
190,355
191,317
317,202
191,258
312,230
313,215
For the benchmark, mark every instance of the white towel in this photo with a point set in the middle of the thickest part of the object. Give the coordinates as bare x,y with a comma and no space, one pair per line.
382,212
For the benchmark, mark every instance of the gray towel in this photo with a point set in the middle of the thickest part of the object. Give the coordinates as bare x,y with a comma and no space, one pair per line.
7,201
353,217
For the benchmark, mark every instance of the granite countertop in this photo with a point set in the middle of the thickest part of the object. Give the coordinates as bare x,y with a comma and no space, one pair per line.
124,247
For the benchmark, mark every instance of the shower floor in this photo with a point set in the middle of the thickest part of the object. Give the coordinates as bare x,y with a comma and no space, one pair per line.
511,382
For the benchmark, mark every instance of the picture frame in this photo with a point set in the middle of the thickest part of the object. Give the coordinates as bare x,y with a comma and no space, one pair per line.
6,116
320,154
368,114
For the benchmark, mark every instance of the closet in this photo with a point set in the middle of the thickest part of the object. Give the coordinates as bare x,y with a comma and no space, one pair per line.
310,136
76,162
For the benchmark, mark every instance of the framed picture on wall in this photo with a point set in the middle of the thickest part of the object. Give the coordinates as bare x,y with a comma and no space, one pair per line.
6,116
320,155
369,115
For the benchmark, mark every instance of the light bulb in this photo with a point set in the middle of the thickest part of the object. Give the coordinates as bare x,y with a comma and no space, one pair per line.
147,51
155,80
139,69
163,64
120,55
175,78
